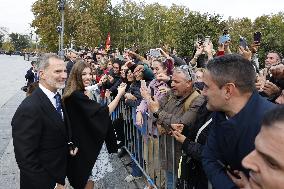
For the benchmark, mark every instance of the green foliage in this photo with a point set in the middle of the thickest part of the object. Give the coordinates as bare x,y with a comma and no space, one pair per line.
1,40
8,46
19,41
87,23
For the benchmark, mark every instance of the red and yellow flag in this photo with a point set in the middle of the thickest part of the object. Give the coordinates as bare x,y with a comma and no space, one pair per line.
108,42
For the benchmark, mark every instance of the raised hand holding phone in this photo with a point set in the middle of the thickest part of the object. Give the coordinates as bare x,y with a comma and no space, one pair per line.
228,169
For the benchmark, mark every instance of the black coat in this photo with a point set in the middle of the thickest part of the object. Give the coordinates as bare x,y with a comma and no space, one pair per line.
230,140
40,143
69,67
91,126
30,76
192,173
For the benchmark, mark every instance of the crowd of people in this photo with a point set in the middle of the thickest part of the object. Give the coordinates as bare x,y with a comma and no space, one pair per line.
211,121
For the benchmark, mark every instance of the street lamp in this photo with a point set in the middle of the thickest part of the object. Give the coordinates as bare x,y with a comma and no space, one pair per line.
61,9
59,30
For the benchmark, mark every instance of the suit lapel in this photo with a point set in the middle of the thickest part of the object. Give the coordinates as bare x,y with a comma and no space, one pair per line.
50,111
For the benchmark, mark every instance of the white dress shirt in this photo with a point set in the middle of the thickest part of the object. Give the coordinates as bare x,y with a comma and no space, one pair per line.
49,94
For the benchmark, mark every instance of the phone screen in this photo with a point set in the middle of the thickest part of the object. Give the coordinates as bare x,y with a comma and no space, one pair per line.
257,37
155,53
243,42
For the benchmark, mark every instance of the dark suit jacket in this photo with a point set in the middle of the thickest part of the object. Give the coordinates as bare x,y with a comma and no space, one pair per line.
231,140
91,126
30,76
40,143
69,67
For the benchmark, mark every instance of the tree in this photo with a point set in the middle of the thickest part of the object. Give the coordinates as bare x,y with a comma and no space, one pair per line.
8,46
19,41
1,40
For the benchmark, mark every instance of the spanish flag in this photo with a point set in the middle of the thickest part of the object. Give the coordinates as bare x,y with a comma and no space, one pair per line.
108,42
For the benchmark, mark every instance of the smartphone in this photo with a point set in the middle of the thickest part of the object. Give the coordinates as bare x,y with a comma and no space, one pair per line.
155,53
224,38
243,42
207,40
200,39
257,37
143,84
227,168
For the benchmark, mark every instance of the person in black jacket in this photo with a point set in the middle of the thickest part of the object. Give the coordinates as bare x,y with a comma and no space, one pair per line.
32,75
72,57
90,125
39,130
193,137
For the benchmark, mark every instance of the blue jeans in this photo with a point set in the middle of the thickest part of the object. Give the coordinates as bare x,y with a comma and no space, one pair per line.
170,181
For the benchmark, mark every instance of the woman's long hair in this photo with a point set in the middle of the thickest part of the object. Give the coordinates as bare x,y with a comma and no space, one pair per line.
75,81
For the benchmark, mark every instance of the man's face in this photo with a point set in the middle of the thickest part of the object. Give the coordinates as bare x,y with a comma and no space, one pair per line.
199,76
73,56
55,75
271,59
213,93
180,85
115,68
266,162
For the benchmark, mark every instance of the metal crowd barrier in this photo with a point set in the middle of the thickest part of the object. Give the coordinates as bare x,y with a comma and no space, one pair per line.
145,148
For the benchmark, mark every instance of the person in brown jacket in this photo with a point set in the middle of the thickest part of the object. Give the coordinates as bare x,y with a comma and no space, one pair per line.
180,105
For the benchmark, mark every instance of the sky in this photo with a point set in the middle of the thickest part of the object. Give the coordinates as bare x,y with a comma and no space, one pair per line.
16,15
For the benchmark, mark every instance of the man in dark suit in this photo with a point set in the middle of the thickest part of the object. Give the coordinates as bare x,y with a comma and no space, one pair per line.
32,75
236,120
38,130
72,57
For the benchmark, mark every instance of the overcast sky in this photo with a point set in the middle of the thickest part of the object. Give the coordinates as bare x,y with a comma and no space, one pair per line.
16,15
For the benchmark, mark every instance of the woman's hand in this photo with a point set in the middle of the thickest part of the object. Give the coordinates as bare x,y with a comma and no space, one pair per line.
129,96
163,77
164,89
121,89
245,52
154,105
145,92
88,94
139,119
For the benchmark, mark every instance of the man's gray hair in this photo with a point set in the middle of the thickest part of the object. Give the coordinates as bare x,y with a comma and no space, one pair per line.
186,71
44,60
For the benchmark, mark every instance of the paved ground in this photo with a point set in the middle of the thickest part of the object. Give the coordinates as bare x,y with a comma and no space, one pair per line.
12,71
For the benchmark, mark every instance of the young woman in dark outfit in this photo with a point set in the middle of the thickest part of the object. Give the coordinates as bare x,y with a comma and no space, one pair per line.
90,124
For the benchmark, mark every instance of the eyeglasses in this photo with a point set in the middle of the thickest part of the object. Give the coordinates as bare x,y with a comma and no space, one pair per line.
189,71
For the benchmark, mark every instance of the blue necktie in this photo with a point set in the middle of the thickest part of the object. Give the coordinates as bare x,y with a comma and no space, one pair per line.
35,77
58,104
